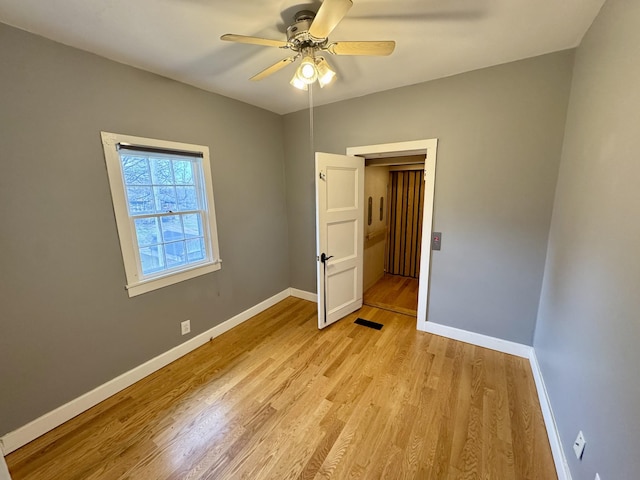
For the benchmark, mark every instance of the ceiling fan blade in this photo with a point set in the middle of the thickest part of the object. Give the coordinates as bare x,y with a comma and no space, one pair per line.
328,17
361,48
273,68
266,42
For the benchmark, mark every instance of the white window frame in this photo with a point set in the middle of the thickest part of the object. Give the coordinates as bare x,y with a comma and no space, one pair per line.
137,283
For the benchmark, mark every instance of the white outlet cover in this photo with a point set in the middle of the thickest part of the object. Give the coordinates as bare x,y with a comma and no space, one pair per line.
185,327
578,445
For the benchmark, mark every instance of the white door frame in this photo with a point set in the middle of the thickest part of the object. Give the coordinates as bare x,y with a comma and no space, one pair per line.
429,148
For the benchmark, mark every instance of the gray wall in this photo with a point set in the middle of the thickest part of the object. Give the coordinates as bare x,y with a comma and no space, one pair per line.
500,134
67,324
588,325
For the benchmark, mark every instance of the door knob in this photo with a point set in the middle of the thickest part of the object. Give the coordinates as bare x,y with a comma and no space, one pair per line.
324,257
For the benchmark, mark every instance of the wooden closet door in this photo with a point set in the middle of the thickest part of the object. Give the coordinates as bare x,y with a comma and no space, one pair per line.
406,199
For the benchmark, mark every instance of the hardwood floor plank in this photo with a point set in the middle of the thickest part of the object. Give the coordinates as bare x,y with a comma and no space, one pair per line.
489,431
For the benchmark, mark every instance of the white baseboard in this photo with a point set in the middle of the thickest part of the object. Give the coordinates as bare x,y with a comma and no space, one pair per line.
4,470
505,346
312,297
559,458
25,434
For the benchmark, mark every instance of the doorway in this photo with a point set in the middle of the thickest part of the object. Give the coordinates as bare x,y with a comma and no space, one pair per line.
428,149
394,199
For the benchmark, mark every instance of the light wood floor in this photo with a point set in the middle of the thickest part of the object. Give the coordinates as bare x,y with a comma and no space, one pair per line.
277,399
395,293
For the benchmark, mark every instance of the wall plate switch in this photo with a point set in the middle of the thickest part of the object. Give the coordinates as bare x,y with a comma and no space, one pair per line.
185,327
578,445
436,240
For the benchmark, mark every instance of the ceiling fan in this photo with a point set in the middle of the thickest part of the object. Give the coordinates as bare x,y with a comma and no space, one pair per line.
307,37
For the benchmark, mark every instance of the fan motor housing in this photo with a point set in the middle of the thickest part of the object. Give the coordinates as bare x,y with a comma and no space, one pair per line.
298,32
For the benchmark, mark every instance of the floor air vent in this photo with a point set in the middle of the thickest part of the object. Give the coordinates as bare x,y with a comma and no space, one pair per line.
368,323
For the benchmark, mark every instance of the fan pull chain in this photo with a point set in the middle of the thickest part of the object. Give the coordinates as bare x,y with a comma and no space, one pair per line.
311,139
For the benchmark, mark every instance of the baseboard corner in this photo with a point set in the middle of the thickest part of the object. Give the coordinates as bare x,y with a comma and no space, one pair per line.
303,294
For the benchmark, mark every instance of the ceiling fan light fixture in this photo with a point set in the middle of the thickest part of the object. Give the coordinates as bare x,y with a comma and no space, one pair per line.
325,73
298,83
307,71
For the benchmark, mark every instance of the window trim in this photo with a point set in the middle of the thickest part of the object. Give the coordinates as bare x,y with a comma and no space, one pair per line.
135,284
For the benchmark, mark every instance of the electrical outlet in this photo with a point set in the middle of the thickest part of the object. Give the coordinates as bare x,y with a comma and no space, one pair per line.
578,445
185,327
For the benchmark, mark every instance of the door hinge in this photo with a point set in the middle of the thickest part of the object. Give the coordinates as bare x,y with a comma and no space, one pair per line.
323,176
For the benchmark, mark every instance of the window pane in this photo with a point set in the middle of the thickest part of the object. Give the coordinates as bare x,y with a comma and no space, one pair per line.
152,259
171,228
192,225
187,199
195,249
183,172
147,231
165,199
140,200
136,171
175,254
161,173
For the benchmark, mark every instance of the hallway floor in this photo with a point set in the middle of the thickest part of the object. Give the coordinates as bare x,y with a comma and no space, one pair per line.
395,293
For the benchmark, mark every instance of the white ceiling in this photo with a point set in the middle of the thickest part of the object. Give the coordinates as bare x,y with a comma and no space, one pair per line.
180,39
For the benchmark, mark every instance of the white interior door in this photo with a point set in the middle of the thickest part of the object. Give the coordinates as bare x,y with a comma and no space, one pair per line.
339,235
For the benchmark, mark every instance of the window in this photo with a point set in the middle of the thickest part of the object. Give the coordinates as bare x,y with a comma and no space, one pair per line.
163,203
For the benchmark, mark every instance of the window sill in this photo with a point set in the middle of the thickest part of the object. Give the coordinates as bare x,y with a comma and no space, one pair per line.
145,286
